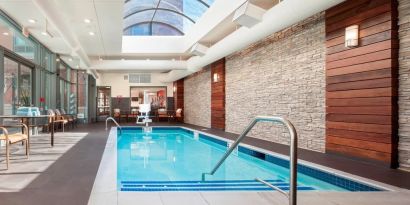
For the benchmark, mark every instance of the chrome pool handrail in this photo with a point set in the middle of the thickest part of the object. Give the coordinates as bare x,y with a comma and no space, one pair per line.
116,123
293,154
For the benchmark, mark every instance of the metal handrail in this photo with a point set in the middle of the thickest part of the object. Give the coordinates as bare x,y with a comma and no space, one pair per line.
293,154
112,119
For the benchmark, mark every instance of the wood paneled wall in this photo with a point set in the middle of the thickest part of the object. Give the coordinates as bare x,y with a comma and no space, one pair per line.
218,95
361,82
179,94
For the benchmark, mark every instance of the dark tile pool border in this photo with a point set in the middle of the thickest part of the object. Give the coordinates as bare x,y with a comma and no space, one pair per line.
214,140
330,178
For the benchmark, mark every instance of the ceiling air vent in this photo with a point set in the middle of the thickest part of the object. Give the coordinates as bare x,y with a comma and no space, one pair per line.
248,15
139,78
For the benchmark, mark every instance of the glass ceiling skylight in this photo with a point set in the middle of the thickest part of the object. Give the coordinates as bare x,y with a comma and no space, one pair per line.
162,17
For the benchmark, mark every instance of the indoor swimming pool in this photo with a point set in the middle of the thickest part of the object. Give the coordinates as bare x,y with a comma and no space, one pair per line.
174,158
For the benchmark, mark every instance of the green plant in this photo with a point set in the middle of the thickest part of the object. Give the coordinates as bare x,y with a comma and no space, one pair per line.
25,97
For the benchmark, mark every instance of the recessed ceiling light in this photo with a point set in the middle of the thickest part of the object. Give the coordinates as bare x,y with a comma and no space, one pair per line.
32,21
44,33
148,59
5,33
70,59
122,59
87,21
91,33
58,60
173,59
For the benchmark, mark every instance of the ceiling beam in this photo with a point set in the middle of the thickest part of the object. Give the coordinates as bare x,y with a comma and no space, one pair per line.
152,65
53,14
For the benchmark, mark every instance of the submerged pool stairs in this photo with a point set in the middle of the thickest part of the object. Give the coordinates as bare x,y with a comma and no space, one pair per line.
212,185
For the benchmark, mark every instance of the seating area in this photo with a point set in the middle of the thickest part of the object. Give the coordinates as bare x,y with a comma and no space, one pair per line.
158,116
19,128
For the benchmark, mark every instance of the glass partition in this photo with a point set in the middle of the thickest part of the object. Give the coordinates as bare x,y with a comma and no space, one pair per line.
13,40
25,86
72,100
57,85
10,98
82,95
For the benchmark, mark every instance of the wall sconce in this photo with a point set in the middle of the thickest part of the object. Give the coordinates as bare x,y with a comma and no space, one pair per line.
352,36
216,77
175,88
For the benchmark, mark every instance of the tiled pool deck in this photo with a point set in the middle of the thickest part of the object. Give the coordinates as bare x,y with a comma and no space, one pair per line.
65,174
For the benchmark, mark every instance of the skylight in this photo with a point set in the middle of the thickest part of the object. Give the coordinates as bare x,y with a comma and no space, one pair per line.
162,17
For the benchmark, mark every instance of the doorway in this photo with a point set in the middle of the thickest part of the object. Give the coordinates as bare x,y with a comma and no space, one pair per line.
103,102
156,96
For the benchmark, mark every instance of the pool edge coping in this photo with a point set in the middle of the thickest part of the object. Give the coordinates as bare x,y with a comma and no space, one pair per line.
111,179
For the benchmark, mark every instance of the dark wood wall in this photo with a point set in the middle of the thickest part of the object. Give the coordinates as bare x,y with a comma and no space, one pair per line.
179,94
218,95
361,82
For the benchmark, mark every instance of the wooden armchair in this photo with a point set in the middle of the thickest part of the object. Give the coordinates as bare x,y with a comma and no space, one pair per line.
71,118
58,119
133,114
178,115
162,113
67,119
15,138
117,114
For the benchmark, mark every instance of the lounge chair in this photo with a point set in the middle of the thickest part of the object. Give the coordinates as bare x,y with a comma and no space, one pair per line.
15,138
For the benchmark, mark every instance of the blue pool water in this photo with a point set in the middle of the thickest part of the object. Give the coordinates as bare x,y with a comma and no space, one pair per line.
173,159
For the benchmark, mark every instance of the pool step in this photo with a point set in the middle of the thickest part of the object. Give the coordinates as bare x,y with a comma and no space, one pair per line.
216,185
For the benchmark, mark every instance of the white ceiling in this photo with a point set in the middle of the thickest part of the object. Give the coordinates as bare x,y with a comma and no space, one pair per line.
71,33
71,36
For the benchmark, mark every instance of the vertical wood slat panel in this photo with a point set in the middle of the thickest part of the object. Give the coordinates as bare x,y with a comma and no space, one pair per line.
361,83
179,95
218,95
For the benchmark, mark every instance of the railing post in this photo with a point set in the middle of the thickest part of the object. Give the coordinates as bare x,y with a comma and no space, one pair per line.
115,122
292,195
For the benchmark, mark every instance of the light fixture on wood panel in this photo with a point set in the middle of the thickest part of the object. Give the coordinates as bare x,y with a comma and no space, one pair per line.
216,77
352,36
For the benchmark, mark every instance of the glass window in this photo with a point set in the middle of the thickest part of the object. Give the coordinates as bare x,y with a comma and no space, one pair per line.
10,98
72,100
164,29
25,86
63,71
177,21
63,97
143,29
68,74
13,40
48,60
82,94
73,77
170,17
46,90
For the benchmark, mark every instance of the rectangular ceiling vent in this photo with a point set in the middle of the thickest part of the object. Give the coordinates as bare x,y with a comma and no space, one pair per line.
139,78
